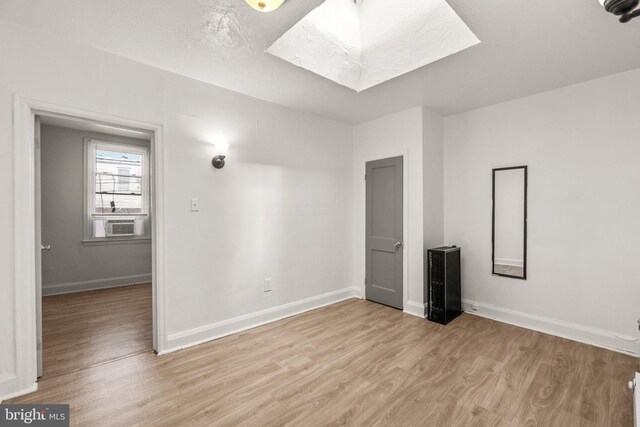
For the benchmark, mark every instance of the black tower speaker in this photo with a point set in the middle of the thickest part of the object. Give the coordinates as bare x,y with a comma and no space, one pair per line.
442,286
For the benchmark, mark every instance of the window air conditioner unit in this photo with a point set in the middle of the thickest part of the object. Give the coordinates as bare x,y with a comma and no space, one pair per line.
121,227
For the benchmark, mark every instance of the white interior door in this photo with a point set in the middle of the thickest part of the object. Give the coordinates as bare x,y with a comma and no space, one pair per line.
39,245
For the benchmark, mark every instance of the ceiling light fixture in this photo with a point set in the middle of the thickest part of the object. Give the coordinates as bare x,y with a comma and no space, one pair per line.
265,5
622,8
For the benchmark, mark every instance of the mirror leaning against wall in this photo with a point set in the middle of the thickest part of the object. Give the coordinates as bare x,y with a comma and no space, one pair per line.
509,228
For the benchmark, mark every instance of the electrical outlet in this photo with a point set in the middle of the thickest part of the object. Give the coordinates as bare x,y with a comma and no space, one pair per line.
267,285
195,205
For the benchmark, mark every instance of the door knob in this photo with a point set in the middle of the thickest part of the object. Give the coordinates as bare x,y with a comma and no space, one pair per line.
398,245
45,247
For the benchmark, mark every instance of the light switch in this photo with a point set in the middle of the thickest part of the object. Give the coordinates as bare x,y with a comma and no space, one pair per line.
195,205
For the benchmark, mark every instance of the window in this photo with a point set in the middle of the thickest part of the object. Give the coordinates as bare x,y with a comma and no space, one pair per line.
124,179
117,196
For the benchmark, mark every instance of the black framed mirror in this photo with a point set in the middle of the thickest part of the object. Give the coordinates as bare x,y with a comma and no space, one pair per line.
509,222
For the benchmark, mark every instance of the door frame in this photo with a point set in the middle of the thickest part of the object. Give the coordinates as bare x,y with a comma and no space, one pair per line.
24,245
406,241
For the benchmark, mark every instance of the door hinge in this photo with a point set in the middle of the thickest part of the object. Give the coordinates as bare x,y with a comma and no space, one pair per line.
365,176
36,142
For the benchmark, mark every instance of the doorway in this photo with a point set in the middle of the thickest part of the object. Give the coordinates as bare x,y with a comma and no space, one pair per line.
28,245
384,232
94,270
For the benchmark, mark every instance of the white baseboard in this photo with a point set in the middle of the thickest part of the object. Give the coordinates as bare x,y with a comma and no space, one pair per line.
572,331
414,308
202,334
92,285
8,388
509,262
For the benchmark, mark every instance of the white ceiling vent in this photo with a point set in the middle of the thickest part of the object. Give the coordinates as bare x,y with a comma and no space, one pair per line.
361,44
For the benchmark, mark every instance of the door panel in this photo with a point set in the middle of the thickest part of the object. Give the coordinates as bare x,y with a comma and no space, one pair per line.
384,228
382,181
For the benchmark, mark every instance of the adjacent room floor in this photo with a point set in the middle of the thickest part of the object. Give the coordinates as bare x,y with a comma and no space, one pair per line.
358,363
85,329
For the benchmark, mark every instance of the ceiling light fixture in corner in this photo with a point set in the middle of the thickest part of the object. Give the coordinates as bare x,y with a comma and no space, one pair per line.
622,8
265,5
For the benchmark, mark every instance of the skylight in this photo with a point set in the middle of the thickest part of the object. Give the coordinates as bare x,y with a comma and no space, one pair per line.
362,44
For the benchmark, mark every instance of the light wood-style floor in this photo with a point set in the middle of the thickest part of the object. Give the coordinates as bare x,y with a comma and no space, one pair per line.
85,329
358,363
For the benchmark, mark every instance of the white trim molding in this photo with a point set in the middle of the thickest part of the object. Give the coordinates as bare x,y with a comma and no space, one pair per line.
414,308
634,385
92,285
117,241
8,389
572,331
25,110
202,334
24,248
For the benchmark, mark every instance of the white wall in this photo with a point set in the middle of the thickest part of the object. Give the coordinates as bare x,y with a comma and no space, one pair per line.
433,179
398,134
281,208
70,265
583,151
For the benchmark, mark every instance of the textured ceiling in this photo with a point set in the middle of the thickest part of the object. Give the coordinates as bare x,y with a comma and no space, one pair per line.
527,47
362,45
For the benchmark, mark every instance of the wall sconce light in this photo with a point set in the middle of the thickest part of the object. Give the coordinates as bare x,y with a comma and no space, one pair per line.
221,154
